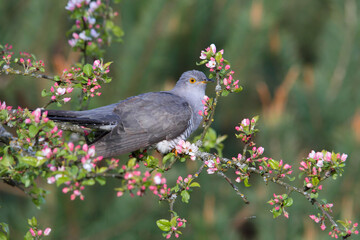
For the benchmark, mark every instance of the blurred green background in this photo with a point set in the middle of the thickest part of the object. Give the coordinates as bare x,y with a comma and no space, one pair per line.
298,62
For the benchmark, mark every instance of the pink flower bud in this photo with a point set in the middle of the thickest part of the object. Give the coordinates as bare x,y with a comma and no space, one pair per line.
47,231
32,232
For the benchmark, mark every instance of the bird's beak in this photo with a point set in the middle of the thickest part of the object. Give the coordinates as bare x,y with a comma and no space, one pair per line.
207,81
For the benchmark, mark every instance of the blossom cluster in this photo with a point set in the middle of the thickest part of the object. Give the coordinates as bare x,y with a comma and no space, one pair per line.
89,12
246,129
212,165
89,33
185,147
35,232
89,78
180,222
320,165
171,228
350,229
207,102
136,181
217,64
26,61
279,202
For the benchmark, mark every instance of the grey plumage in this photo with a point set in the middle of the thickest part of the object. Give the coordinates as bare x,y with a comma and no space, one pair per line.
158,119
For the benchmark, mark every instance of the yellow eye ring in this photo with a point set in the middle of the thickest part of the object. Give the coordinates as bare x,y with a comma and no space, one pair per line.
192,80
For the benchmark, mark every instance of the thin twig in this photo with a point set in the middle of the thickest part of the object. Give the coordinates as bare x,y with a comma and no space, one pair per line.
31,74
220,173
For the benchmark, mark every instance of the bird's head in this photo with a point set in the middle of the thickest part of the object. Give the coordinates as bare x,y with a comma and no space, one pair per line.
192,81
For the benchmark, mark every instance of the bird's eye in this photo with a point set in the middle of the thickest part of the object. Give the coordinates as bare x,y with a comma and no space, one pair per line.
192,80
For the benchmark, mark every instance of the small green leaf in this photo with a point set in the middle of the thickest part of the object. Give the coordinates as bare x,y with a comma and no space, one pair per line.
57,78
118,31
194,184
164,225
185,196
32,161
237,90
288,202
315,181
246,182
44,93
62,180
5,233
101,180
173,221
3,236
87,69
276,213
169,156
131,163
202,62
89,182
274,164
101,170
33,130
218,57
224,93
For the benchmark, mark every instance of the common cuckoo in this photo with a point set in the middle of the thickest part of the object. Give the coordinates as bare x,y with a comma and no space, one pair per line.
159,119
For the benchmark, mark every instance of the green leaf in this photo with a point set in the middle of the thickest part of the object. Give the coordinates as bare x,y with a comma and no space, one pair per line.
246,182
173,221
131,163
218,57
44,93
315,181
3,236
7,160
164,225
62,180
288,202
202,62
224,93
32,161
169,156
87,69
274,164
89,182
5,233
194,184
33,130
276,213
118,31
237,90
101,180
57,78
101,170
185,196
32,222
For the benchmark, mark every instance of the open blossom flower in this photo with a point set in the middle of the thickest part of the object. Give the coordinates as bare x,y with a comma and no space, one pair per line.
94,5
83,36
186,147
93,33
60,91
72,42
203,55
211,63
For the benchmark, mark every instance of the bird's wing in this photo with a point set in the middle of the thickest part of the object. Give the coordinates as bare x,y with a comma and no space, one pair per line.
145,120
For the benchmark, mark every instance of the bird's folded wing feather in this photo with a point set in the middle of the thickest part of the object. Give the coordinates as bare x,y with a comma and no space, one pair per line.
143,121
94,117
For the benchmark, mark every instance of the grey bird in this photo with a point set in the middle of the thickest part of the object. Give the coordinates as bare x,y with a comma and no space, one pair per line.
158,119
